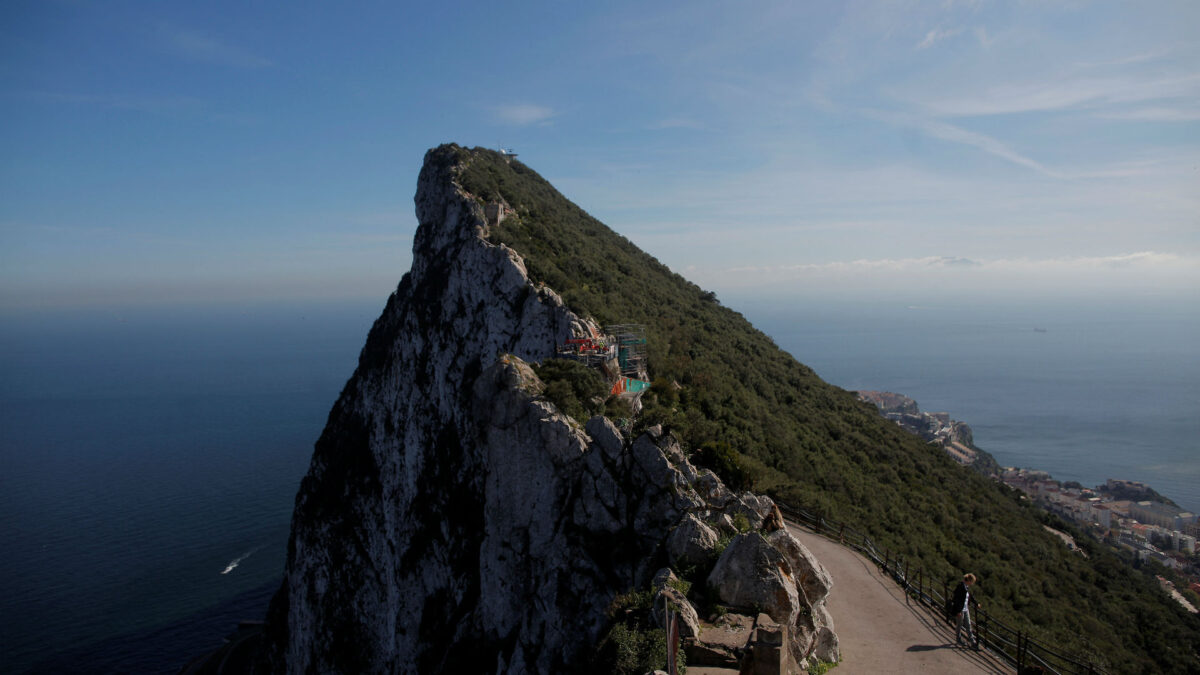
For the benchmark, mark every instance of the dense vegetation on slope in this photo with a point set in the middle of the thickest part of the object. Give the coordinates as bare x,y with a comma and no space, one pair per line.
762,417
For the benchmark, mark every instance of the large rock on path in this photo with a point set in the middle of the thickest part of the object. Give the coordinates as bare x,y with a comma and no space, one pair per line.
752,574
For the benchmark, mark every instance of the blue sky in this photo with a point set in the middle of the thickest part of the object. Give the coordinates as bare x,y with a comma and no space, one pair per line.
162,152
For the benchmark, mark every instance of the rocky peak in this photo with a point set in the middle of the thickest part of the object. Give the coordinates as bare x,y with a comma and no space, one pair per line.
454,520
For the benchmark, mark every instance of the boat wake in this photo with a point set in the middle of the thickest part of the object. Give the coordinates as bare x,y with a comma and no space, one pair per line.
237,561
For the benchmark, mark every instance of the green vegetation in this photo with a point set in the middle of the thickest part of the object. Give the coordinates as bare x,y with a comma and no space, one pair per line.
733,467
759,417
633,645
820,667
572,387
1138,494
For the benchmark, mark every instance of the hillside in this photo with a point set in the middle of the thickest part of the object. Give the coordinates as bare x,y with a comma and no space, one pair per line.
468,509
756,415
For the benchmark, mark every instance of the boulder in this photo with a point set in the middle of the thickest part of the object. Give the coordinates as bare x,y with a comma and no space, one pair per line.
826,647
810,574
723,523
666,594
754,508
712,489
753,574
606,436
691,543
821,617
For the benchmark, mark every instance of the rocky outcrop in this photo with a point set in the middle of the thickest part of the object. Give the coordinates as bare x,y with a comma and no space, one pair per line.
778,577
667,596
956,437
753,574
454,520
692,542
889,402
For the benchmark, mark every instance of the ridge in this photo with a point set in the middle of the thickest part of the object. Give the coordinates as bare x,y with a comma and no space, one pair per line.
482,287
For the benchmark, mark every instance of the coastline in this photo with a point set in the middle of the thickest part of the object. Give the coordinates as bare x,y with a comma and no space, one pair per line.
1109,389
1132,517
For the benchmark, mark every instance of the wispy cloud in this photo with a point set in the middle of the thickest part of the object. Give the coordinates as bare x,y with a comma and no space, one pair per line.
524,114
194,46
1145,268
149,104
955,134
863,265
937,35
985,39
1155,114
677,123
1062,93
1126,60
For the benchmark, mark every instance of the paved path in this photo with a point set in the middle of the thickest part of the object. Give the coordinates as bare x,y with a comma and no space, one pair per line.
877,630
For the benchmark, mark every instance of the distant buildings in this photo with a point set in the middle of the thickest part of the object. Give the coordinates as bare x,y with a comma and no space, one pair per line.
1156,513
1137,525
936,427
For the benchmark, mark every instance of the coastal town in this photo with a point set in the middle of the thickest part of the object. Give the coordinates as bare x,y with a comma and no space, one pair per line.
1128,515
1115,513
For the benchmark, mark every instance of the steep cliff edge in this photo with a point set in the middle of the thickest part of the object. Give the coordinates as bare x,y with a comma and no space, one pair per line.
453,520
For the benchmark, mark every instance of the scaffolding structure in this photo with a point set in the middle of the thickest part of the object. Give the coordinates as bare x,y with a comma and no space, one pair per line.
592,352
631,348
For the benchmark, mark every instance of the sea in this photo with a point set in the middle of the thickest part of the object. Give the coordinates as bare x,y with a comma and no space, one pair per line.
149,457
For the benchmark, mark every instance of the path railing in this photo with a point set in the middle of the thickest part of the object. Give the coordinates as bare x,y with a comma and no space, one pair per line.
1016,647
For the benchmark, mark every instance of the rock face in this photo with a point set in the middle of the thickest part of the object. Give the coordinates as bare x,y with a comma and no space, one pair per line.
452,519
692,542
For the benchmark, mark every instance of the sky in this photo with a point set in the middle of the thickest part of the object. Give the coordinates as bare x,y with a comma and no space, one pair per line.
222,151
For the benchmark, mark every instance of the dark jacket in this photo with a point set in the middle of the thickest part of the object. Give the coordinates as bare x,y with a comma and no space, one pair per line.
960,596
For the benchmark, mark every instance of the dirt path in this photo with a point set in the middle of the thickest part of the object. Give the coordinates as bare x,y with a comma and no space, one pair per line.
878,631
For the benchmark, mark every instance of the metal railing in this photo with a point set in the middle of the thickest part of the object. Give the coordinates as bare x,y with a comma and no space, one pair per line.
1016,647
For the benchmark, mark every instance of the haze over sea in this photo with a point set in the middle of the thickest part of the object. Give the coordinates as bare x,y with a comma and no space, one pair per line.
149,458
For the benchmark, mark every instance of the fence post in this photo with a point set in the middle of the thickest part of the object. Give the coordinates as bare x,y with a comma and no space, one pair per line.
818,527
842,534
981,625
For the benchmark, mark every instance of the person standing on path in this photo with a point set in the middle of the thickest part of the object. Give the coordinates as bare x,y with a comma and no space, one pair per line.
962,602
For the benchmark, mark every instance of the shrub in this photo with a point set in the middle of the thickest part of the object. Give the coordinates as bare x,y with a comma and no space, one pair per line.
741,523
633,645
726,463
572,387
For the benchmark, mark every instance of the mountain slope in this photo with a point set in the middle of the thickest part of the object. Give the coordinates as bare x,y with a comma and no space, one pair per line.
752,411
455,518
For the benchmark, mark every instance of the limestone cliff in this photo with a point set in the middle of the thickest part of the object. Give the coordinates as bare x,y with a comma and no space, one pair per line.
453,520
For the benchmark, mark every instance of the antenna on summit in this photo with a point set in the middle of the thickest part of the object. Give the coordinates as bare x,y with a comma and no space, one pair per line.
508,153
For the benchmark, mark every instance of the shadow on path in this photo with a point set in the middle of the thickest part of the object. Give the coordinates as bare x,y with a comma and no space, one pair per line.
879,628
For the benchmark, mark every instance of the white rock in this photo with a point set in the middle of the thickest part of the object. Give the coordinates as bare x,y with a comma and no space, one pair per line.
810,574
691,542
752,574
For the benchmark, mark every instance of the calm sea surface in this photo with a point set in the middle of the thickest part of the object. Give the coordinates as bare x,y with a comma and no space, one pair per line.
1085,392
148,464
149,459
